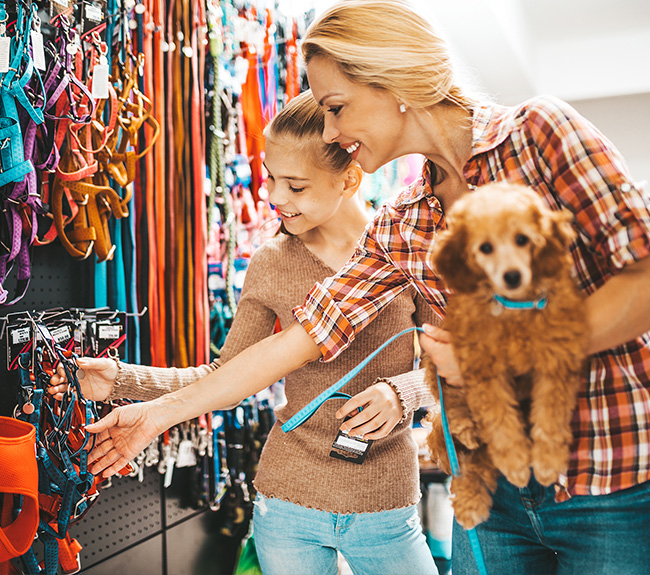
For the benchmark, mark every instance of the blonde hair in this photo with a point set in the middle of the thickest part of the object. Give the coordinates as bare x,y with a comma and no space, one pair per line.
303,121
386,44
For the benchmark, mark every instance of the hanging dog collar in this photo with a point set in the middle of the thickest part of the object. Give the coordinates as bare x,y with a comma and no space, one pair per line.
539,303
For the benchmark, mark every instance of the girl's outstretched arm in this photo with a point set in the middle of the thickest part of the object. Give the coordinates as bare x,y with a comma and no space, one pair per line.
126,431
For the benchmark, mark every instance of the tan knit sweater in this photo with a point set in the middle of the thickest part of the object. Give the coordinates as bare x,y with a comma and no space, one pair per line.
296,466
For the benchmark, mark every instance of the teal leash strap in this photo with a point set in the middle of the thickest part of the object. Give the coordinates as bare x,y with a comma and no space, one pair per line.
306,412
455,470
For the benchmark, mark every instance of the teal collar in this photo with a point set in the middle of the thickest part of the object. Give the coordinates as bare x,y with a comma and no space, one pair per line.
539,303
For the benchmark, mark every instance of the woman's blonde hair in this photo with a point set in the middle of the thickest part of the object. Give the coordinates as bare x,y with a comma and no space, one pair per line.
303,120
386,44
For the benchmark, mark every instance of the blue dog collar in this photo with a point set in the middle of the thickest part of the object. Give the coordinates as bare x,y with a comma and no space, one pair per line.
539,303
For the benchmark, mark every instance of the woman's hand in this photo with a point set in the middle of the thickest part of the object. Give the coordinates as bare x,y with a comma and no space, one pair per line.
122,435
382,411
436,343
96,377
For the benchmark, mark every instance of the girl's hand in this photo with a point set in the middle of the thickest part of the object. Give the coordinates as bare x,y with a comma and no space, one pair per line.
436,343
382,411
96,377
122,435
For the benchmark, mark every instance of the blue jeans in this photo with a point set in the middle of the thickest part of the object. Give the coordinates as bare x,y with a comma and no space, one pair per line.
295,540
528,533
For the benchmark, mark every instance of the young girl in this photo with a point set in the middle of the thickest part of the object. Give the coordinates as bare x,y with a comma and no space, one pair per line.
310,504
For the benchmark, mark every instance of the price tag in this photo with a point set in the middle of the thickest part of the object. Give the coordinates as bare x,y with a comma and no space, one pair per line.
110,331
39,52
5,53
20,335
94,13
61,335
100,81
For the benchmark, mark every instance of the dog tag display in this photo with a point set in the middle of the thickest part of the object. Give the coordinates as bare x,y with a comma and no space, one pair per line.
350,448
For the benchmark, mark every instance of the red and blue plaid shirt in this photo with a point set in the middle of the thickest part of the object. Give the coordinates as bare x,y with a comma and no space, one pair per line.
545,144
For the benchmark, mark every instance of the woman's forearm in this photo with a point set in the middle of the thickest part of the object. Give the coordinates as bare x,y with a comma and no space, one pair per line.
248,373
620,310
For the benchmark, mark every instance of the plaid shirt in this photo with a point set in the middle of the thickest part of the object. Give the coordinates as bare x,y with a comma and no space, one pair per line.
545,144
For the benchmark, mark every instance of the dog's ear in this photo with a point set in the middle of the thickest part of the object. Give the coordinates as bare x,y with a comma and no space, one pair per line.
450,260
558,234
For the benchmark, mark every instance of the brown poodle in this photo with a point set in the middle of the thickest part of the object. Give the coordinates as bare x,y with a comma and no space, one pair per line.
518,329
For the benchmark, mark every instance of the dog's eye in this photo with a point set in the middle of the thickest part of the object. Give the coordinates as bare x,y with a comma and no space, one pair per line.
486,248
521,240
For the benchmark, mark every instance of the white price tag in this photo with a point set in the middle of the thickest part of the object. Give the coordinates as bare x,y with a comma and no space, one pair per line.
110,331
39,52
20,335
100,81
5,53
61,334
94,13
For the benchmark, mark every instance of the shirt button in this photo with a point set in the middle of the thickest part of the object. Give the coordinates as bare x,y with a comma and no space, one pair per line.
626,187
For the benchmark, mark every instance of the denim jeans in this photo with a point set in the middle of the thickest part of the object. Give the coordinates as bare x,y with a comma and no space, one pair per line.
295,540
528,533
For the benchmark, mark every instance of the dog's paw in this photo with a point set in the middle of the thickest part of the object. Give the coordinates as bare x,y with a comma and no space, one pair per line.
548,462
470,511
514,464
518,477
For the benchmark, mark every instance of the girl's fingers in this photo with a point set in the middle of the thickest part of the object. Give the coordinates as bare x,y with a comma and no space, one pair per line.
106,462
100,450
114,469
103,424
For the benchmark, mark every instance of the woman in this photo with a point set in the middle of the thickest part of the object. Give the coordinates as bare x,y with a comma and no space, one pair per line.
310,504
386,85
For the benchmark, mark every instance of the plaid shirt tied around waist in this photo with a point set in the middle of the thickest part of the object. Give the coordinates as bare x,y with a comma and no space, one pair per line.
545,144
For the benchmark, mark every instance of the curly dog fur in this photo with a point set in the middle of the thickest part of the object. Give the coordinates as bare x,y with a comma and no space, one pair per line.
521,367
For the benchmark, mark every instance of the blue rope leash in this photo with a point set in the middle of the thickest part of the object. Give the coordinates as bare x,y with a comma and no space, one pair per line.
306,412
455,470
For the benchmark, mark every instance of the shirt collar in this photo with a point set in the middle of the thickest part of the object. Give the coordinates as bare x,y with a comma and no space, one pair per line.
490,127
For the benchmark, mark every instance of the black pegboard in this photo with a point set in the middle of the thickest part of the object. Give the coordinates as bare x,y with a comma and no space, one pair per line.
146,558
57,280
125,514
133,527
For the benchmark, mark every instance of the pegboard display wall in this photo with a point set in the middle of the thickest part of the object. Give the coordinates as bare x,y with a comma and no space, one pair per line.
57,280
133,526
125,513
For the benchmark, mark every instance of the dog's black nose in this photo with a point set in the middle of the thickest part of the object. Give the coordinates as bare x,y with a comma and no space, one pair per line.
512,278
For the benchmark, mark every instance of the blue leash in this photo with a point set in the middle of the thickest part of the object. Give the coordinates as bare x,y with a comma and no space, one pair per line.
332,392
455,470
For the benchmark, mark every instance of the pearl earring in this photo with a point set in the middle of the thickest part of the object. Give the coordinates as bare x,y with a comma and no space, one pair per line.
402,108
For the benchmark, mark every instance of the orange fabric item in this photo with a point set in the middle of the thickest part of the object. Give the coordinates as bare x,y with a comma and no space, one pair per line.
293,75
153,87
201,352
253,118
157,283
18,475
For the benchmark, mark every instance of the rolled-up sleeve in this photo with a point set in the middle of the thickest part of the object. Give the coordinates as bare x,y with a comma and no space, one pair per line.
591,178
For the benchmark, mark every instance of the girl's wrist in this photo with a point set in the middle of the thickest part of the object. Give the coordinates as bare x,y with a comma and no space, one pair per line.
169,411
